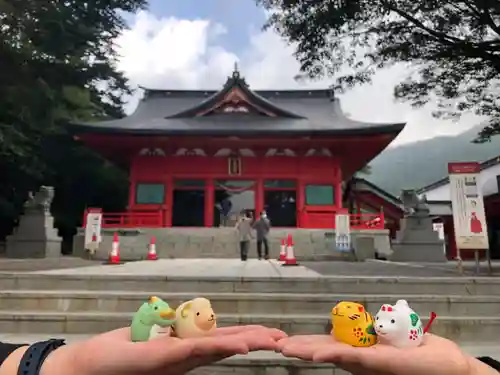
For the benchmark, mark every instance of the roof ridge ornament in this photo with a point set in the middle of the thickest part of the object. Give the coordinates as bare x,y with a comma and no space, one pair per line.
236,72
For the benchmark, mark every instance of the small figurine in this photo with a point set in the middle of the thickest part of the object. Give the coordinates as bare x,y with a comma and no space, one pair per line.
150,319
398,325
194,318
352,324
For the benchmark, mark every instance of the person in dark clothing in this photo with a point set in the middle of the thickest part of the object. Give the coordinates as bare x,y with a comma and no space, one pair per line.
262,227
225,209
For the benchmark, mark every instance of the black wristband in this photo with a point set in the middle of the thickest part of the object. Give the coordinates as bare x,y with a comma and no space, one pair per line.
490,362
35,355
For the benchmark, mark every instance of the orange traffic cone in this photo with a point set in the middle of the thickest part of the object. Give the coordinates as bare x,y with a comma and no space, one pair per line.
282,257
114,256
152,250
290,256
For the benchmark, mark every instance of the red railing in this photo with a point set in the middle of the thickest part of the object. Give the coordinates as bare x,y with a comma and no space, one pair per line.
154,219
367,221
135,219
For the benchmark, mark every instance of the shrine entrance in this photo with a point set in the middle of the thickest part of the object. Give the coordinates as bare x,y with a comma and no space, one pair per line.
231,198
280,202
188,204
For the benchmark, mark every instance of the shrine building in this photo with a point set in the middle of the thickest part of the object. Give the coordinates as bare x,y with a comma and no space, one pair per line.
196,155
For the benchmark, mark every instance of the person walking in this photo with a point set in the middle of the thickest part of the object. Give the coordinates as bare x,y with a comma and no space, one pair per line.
244,229
262,227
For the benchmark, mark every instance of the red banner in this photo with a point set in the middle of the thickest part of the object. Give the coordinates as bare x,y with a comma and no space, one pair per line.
464,167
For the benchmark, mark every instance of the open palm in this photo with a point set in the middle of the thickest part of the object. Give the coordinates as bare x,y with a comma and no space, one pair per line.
436,356
113,353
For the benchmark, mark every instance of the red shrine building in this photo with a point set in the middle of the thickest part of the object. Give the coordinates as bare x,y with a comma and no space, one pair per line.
195,156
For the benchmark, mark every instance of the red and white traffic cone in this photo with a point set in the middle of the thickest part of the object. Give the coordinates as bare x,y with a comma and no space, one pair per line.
290,256
282,257
152,250
114,255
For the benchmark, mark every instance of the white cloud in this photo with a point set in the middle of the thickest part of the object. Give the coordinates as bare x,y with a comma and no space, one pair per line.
175,53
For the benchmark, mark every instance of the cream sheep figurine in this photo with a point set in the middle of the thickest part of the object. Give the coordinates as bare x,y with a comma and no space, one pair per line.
194,318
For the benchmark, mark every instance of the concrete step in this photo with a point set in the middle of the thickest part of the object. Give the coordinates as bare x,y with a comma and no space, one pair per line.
366,285
262,363
458,328
242,303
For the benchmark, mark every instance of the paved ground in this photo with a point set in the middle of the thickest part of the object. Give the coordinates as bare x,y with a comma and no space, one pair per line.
378,268
195,268
236,268
26,265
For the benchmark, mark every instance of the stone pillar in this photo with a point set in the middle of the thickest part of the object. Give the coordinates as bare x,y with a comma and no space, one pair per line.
35,237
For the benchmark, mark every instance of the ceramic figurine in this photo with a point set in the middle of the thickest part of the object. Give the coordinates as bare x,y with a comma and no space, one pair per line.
151,318
398,325
352,324
195,318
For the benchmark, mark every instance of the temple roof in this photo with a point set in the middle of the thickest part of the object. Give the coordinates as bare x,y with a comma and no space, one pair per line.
237,110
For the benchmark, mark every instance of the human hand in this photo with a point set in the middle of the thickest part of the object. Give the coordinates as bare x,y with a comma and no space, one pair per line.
113,353
436,356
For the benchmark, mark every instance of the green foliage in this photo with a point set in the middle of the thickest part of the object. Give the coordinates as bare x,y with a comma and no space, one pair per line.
58,64
452,48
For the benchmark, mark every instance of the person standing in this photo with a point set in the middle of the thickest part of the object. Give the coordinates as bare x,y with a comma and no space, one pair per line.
225,210
244,229
262,227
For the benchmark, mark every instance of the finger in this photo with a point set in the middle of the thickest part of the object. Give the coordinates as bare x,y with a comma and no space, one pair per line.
236,329
258,340
305,340
219,345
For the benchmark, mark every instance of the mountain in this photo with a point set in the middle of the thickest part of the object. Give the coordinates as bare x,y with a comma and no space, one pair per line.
418,164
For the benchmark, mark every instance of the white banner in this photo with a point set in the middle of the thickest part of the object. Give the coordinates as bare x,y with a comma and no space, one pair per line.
93,227
343,232
469,219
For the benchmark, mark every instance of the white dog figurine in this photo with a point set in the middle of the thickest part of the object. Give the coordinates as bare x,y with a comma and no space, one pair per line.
398,325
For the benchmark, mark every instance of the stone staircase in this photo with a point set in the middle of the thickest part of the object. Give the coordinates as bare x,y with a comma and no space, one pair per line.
178,243
76,305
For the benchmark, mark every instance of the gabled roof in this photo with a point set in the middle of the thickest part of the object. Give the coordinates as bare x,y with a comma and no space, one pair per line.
445,180
279,112
237,86
370,186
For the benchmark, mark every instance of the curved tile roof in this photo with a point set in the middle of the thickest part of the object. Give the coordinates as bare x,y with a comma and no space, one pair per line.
304,112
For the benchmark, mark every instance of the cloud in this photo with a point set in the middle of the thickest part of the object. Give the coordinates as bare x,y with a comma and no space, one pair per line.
185,54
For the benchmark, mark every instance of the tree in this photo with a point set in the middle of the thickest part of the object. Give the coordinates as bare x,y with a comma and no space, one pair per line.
451,46
57,64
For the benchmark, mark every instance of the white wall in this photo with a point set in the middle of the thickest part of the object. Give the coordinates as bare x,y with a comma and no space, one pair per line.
487,184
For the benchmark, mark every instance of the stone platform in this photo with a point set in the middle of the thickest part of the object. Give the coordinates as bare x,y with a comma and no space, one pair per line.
174,243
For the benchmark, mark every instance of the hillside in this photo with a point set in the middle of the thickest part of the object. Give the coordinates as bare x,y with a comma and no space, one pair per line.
421,163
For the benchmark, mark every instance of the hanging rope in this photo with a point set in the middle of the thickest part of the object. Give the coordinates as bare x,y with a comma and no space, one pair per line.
233,189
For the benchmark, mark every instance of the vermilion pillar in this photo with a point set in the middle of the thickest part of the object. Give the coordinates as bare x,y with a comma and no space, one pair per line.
209,203
169,201
259,196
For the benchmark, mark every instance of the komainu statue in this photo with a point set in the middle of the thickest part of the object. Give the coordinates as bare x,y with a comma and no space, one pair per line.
414,205
41,201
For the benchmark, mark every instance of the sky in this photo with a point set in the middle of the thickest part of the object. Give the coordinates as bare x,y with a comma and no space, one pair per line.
194,44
